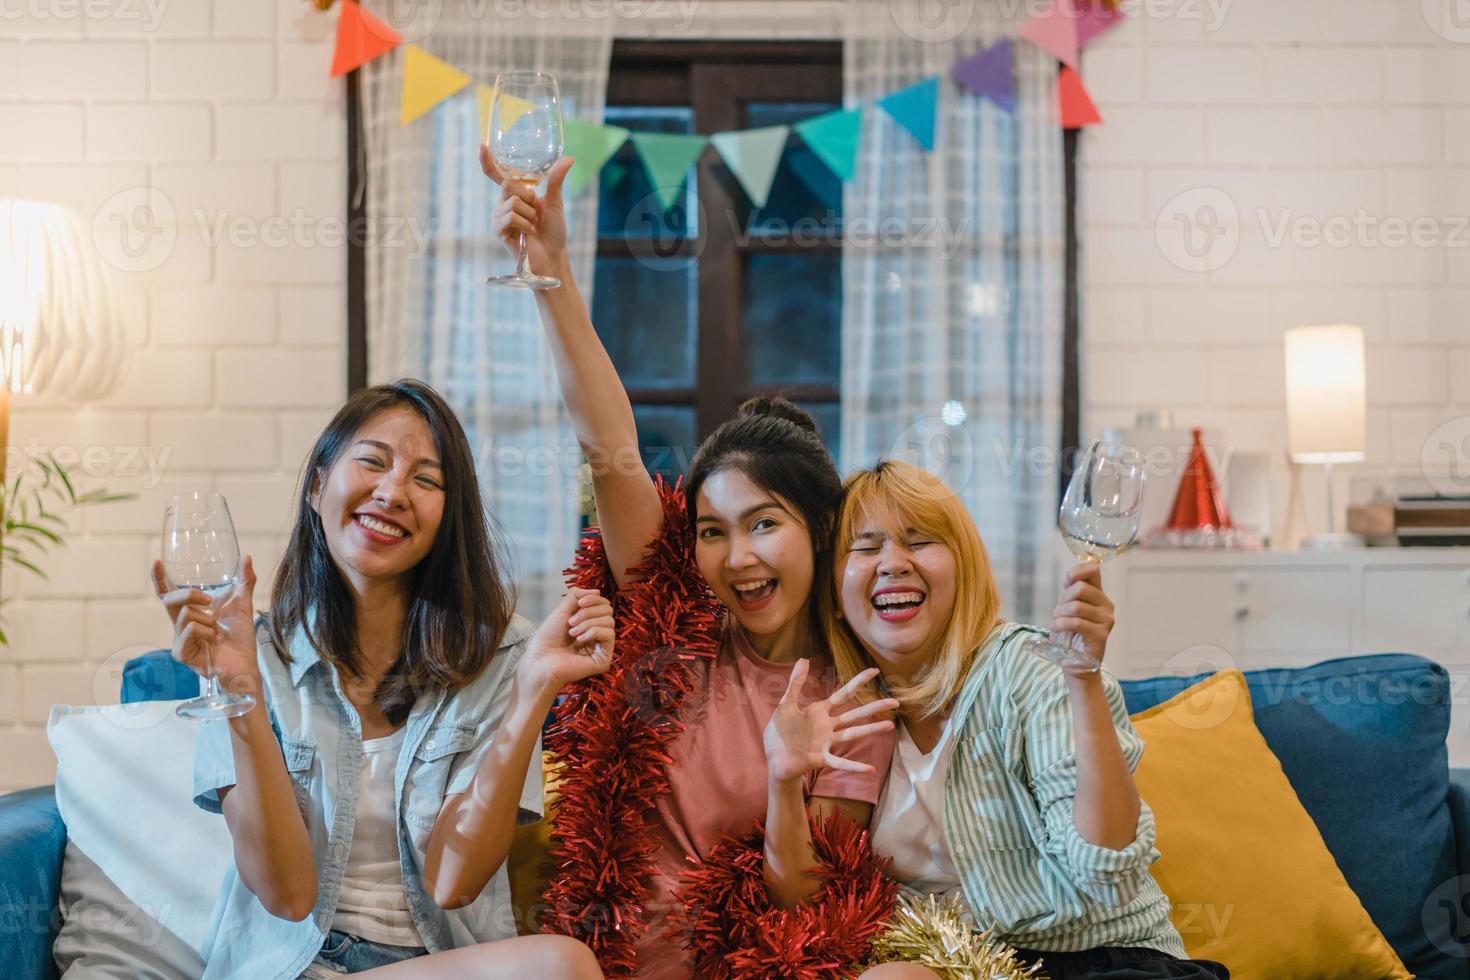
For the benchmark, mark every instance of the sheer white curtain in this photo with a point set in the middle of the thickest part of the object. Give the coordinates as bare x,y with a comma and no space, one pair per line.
429,313
953,278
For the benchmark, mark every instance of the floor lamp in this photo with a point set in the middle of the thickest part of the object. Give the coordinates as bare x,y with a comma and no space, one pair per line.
60,329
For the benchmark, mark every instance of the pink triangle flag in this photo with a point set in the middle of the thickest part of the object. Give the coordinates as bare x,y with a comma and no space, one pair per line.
1054,30
1093,18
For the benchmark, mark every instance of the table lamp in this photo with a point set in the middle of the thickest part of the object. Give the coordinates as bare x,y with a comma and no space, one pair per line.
1326,408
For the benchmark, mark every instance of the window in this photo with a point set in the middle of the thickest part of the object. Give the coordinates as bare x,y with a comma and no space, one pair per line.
712,301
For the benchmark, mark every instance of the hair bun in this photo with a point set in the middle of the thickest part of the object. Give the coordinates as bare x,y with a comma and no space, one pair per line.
781,408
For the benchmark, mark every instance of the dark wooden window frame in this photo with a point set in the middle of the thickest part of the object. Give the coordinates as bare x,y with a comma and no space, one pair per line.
704,75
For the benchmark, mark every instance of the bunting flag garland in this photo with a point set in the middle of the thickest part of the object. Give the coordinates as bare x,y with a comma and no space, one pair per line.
1054,30
753,156
990,74
427,81
667,157
592,146
1076,105
833,137
361,37
914,108
1062,29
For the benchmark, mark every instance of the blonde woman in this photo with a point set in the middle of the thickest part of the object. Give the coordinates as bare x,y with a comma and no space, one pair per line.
1011,787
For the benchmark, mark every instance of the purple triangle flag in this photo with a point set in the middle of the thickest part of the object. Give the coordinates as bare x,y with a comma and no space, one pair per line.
990,74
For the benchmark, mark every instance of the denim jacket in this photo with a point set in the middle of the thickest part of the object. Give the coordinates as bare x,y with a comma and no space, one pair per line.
447,736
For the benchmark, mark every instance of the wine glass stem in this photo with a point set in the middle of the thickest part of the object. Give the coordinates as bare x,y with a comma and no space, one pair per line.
211,683
523,261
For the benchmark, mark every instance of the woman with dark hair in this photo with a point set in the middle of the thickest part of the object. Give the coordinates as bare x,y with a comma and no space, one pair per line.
727,711
372,792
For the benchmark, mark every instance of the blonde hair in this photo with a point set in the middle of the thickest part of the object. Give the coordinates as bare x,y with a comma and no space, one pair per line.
898,496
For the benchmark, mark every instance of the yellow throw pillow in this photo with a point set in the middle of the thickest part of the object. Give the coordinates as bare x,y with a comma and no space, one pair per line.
529,865
1253,884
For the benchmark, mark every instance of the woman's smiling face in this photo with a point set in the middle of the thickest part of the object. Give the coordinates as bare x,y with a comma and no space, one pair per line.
897,592
381,502
754,552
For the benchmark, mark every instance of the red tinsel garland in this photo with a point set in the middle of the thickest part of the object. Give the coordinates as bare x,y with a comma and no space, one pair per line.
611,736
729,921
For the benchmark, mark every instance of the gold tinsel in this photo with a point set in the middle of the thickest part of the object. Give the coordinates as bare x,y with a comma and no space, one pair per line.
934,932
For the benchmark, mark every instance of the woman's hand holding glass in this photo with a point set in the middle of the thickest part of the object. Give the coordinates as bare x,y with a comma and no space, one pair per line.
1083,618
226,626
541,218
800,739
575,642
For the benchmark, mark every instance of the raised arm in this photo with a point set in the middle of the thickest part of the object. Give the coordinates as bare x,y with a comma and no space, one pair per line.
272,849
628,506
472,834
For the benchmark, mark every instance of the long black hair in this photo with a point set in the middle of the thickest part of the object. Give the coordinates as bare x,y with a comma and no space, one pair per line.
778,447
460,602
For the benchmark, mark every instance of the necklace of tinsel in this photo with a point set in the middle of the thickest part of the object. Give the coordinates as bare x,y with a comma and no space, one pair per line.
611,737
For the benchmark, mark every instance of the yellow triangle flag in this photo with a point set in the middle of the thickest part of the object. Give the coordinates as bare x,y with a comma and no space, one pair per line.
511,109
427,81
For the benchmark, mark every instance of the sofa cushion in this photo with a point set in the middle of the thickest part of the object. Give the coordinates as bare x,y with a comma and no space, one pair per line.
1251,882
157,676
1362,740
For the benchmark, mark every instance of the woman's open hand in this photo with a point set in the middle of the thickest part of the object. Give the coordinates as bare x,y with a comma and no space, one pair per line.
800,739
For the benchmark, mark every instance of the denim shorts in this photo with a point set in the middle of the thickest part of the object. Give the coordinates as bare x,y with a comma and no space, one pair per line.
344,953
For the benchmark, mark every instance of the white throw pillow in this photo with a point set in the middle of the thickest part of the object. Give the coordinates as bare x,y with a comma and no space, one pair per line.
143,865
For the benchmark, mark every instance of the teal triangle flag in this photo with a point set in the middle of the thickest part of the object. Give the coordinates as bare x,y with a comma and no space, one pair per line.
913,109
593,146
753,156
667,157
833,137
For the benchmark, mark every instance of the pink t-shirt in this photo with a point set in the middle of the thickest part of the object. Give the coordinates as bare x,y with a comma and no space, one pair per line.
718,776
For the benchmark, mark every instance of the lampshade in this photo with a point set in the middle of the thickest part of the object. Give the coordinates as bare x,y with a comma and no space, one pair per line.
60,330
1326,398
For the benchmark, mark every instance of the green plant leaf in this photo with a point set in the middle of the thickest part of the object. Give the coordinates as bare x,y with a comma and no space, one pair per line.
22,528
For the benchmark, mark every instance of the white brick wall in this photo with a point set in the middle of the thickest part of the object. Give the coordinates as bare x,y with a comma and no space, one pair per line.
1291,110
224,109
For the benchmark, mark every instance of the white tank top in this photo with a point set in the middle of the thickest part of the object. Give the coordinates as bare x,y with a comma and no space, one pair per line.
372,903
908,823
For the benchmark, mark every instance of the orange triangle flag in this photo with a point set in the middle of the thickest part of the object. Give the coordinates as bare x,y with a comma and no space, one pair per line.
361,37
1076,104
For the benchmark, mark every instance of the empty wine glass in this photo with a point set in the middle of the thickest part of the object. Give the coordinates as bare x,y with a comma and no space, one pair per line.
525,141
1099,519
200,551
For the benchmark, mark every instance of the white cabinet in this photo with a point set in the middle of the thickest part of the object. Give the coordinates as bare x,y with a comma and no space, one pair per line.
1180,612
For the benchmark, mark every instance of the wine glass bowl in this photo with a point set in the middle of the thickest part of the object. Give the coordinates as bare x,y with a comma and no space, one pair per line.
525,139
1099,519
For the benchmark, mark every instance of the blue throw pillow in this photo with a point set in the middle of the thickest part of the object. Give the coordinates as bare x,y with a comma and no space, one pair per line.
157,676
1362,740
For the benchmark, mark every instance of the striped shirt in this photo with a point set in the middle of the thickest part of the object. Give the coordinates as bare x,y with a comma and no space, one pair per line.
1026,872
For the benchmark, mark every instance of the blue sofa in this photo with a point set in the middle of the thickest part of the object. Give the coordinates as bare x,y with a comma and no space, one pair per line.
1362,740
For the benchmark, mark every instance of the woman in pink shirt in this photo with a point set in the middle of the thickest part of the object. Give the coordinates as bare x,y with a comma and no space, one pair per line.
753,722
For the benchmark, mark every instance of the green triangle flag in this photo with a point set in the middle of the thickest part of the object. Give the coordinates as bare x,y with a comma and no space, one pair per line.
753,156
833,137
592,145
667,157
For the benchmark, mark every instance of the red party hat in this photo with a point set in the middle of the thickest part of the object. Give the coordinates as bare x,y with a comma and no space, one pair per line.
1198,503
